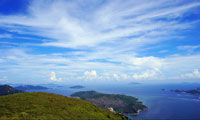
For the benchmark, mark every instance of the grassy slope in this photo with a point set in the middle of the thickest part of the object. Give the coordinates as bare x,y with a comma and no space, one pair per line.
39,105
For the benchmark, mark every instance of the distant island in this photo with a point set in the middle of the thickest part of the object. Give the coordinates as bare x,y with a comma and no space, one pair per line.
30,87
49,106
193,92
163,89
135,83
123,104
7,90
77,87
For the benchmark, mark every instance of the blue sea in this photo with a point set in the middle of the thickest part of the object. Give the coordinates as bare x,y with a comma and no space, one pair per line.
161,104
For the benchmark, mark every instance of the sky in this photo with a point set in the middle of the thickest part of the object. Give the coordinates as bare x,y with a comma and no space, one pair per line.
99,41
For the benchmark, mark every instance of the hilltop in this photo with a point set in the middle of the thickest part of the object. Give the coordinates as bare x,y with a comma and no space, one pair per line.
7,90
40,105
120,103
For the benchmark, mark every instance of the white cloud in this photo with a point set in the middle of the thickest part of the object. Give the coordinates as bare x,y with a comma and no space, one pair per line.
163,51
185,47
55,60
116,77
188,48
1,60
72,26
113,33
90,75
125,76
4,78
194,75
146,75
53,77
5,36
127,66
147,62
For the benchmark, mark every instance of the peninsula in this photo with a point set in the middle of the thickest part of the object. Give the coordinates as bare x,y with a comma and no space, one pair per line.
123,104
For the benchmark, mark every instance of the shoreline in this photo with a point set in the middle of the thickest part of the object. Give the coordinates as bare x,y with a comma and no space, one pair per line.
135,114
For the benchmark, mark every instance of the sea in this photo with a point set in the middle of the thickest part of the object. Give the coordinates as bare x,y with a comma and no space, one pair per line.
161,102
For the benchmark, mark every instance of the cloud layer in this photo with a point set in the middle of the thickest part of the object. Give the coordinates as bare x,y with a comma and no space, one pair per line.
101,40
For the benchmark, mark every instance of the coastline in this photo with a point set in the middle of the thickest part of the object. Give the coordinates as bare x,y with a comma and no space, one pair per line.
135,114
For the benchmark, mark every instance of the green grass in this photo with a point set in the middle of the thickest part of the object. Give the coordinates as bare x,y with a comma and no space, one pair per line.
48,106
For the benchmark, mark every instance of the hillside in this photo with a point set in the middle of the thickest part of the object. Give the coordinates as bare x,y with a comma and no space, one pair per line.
7,90
46,106
120,103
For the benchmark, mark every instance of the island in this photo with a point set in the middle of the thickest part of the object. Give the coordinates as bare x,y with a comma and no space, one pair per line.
7,90
135,83
163,89
30,87
49,106
77,87
193,92
126,105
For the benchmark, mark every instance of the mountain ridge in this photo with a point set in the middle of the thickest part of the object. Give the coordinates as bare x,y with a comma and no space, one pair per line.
7,90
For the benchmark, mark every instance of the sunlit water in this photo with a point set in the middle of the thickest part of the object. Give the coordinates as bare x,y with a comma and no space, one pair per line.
161,104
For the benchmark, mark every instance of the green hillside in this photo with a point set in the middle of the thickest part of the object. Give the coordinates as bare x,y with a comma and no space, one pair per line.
48,106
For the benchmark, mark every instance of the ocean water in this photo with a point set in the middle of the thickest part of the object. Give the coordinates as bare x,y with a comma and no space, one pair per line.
161,104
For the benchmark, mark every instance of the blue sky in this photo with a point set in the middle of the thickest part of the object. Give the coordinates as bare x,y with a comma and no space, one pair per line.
99,41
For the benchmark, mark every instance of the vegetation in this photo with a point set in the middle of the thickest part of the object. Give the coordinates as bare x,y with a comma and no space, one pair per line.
49,106
7,90
120,103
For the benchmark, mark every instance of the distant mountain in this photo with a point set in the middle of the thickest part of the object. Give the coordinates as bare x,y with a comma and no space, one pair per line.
163,89
49,106
7,90
77,87
30,87
119,103
50,85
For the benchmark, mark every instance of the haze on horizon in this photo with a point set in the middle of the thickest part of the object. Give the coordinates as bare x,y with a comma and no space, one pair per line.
99,41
